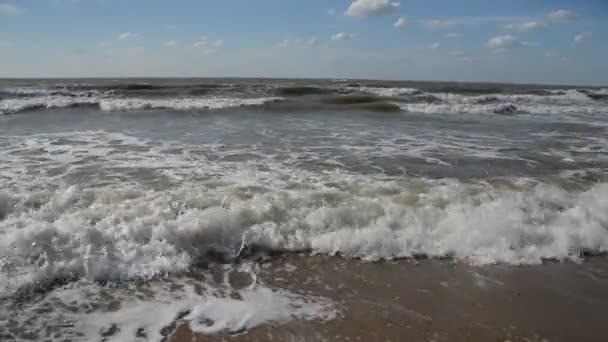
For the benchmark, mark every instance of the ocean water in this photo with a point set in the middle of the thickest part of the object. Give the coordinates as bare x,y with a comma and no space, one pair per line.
129,205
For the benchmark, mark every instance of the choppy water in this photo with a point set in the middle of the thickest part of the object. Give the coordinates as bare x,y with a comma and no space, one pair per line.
119,190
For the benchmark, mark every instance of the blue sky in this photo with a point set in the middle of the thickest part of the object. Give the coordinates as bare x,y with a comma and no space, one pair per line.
543,41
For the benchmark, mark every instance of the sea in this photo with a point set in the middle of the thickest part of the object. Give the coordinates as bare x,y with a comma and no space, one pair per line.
301,210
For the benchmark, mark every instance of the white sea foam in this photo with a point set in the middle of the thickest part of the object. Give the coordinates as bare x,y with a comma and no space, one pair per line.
84,311
601,91
390,92
181,104
473,108
563,102
32,90
109,235
255,307
127,230
557,102
16,105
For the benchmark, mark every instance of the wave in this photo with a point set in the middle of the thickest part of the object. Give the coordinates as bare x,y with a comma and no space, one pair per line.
182,104
388,92
13,106
119,234
302,90
364,96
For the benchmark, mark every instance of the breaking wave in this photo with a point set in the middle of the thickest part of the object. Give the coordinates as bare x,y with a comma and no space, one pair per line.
120,234
123,231
13,106
446,99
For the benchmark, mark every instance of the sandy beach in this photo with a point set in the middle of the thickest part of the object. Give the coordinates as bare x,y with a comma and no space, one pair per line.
431,300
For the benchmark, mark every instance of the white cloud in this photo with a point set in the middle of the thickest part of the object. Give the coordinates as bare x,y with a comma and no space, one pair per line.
343,36
207,47
366,8
526,26
503,42
401,22
127,35
562,15
312,42
8,9
290,43
434,46
453,35
583,36
439,24
170,43
287,43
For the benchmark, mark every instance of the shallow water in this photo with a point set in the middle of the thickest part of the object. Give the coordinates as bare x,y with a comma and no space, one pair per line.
136,205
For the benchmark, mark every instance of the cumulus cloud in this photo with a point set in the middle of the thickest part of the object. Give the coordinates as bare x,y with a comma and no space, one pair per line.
342,36
208,47
291,42
401,22
562,15
366,8
312,42
434,46
583,36
170,43
503,42
287,43
526,26
127,35
8,9
439,24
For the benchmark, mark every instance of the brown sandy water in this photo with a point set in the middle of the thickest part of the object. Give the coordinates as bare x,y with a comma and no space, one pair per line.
432,300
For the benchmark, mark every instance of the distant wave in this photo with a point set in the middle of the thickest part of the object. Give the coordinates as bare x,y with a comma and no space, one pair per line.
13,106
181,104
17,105
429,98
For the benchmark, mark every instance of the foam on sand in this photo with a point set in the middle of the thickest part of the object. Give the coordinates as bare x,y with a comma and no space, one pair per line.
151,311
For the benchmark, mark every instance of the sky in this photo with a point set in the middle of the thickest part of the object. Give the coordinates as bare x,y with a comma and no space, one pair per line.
523,41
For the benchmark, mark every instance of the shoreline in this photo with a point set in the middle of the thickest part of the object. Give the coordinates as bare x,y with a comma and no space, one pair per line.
434,300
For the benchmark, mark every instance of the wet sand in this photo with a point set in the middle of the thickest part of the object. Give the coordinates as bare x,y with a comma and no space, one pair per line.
432,300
